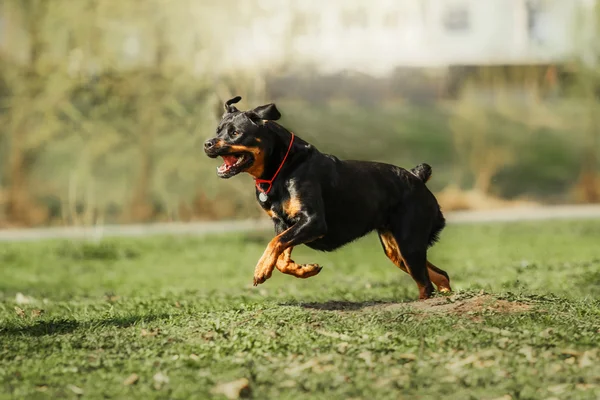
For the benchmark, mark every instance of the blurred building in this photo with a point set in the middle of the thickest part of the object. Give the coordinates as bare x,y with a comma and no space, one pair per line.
376,36
372,37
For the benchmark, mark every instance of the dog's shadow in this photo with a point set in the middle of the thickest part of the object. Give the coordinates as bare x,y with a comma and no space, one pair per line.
339,305
63,326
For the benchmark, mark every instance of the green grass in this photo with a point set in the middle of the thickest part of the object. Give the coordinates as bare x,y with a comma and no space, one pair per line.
184,307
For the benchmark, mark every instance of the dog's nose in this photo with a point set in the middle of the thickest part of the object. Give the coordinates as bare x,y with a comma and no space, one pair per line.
209,143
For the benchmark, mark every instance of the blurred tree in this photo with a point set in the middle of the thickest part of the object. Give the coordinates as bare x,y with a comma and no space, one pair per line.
480,150
587,86
26,85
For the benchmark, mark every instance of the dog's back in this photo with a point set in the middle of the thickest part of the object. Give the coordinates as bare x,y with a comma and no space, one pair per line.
362,196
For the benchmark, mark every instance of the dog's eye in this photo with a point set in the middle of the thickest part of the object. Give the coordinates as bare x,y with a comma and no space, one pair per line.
236,133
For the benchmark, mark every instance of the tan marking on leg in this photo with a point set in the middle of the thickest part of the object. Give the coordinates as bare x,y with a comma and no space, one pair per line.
392,251
266,263
439,280
287,266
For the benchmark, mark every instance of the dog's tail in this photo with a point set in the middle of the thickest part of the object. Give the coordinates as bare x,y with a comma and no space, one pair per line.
422,171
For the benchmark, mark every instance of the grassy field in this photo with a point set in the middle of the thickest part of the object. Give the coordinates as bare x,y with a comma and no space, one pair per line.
180,313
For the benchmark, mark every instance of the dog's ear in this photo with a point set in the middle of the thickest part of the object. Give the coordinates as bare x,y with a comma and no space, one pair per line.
228,104
268,112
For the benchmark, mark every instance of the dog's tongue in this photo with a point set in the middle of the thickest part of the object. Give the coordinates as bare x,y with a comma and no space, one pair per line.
229,160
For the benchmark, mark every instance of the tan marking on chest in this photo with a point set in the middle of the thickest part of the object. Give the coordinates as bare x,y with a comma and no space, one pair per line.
292,206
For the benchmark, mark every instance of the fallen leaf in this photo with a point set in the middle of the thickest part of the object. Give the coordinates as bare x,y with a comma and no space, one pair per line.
271,334
457,365
296,370
160,379
546,333
234,389
527,351
586,360
177,304
505,397
343,347
571,353
334,335
20,311
75,389
558,388
288,384
585,386
131,379
36,313
367,357
153,332
20,298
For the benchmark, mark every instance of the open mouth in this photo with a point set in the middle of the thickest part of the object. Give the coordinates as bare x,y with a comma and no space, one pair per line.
233,164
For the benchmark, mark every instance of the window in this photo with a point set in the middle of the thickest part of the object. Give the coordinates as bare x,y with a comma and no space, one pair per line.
456,18
535,20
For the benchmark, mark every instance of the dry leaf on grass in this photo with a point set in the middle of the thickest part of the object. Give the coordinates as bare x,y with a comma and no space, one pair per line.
36,313
233,390
20,298
20,311
152,332
160,379
505,397
558,389
131,379
288,384
334,335
75,389
297,369
367,357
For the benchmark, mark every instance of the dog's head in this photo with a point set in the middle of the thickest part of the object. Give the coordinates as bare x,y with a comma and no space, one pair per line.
241,139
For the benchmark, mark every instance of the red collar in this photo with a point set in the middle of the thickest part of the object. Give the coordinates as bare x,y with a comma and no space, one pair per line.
257,182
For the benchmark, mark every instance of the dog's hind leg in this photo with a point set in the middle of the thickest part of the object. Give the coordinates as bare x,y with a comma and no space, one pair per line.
439,277
287,266
392,251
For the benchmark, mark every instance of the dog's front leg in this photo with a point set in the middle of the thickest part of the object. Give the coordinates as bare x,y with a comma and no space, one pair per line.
308,227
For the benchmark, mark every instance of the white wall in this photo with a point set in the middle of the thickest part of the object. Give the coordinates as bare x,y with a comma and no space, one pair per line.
410,33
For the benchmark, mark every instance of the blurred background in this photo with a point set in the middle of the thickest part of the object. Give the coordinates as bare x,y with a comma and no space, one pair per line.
105,104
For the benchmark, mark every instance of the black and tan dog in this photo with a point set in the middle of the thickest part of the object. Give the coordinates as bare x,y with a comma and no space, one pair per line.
323,202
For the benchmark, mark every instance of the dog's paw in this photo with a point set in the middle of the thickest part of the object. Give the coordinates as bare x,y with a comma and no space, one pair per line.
261,275
445,291
309,270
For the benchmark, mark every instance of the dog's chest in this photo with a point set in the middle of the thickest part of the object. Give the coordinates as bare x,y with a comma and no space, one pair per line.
283,206
279,211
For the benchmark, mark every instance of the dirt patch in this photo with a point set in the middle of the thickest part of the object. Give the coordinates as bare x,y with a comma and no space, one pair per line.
460,306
